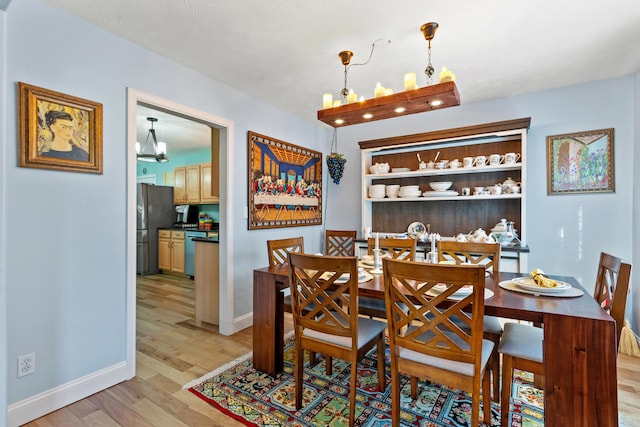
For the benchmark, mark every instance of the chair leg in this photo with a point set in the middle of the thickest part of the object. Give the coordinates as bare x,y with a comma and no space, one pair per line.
328,365
507,379
475,406
395,395
495,373
382,384
486,398
352,391
299,369
414,388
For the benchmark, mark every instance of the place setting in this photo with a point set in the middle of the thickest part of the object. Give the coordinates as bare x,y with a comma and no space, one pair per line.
538,284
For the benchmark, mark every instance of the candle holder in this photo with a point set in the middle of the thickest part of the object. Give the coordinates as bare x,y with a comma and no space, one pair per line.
377,262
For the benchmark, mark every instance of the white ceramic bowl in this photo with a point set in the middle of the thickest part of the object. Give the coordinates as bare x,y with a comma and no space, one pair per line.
440,185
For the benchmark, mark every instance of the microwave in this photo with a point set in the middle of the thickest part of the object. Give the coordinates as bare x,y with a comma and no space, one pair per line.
187,214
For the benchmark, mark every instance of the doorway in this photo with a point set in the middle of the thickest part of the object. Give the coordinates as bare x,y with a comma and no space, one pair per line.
225,127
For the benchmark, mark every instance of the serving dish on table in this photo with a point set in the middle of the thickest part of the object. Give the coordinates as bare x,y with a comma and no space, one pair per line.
529,284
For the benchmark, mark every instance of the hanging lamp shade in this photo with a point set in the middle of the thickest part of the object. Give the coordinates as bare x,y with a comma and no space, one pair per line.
158,150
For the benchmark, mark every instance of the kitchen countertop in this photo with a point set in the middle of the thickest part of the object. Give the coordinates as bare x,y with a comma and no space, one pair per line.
206,239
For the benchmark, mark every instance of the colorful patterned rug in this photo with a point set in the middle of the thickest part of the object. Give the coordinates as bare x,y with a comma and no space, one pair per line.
257,399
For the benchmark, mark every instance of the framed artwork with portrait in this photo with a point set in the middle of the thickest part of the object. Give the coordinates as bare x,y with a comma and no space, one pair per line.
580,162
58,131
285,184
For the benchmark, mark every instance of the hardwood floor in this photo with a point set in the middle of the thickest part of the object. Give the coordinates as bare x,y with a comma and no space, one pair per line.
171,352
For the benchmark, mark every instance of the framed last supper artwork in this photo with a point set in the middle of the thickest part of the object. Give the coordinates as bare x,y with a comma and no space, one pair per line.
285,184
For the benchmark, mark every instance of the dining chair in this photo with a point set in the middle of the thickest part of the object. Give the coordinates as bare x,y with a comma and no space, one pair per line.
324,292
277,250
521,345
487,255
404,249
340,242
425,341
612,288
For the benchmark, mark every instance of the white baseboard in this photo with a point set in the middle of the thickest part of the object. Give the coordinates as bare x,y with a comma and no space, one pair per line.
242,322
51,400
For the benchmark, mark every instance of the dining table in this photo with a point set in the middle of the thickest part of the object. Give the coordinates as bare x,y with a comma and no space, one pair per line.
579,347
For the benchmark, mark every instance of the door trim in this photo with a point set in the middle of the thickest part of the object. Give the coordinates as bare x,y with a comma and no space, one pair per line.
135,97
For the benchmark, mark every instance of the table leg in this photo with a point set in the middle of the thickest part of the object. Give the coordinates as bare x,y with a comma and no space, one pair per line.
580,374
268,324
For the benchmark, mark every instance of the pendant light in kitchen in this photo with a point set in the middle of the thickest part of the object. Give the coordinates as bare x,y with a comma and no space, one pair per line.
159,153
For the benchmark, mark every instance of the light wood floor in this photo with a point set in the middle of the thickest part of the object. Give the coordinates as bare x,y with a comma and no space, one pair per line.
171,352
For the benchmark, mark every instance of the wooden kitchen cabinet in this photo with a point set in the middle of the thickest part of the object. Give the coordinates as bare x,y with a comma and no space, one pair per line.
186,190
209,184
171,250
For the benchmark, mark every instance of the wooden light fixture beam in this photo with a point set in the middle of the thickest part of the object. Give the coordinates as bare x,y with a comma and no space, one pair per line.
413,101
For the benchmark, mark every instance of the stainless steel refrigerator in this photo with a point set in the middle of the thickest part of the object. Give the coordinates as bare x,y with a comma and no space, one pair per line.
155,210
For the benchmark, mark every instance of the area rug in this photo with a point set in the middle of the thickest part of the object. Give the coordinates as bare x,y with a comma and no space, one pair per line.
257,399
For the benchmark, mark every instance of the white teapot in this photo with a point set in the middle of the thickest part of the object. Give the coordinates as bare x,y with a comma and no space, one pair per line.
478,235
507,186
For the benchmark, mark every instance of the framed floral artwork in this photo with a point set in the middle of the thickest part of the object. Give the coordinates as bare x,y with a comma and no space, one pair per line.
58,131
580,162
285,184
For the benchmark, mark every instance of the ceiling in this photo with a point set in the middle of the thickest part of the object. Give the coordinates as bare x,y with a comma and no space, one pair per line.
284,52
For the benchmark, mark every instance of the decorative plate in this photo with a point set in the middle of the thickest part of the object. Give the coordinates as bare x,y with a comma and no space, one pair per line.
416,229
531,285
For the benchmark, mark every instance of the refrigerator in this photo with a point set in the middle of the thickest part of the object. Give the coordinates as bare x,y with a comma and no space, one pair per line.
155,210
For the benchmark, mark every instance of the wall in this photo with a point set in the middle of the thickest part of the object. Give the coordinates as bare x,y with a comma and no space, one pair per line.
3,156
634,297
66,274
566,233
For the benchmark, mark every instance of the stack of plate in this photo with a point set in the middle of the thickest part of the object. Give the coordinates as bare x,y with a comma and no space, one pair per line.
409,191
376,191
392,191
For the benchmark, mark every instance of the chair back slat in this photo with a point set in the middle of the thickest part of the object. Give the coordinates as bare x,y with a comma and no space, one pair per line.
340,242
485,254
612,287
279,249
422,318
328,288
400,249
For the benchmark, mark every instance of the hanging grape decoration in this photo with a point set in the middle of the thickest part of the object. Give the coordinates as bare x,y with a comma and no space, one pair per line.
335,163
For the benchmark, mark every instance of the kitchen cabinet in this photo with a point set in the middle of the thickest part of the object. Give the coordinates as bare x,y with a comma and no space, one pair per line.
447,215
171,245
186,190
209,184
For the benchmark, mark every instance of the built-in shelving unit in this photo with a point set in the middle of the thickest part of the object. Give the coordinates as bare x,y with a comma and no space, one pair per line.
451,214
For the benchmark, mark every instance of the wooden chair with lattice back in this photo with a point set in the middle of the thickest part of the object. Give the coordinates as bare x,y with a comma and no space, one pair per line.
340,242
324,292
278,250
402,249
425,342
487,255
612,288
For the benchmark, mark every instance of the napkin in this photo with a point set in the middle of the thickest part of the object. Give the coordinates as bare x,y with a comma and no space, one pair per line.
542,280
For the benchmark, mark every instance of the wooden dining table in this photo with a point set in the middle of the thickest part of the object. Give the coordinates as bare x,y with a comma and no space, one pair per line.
580,348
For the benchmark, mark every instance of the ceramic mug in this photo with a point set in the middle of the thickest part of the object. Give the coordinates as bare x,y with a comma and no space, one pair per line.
454,164
496,159
466,191
467,162
480,161
511,158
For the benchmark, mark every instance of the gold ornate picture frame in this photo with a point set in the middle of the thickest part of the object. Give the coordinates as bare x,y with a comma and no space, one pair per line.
285,184
58,131
580,162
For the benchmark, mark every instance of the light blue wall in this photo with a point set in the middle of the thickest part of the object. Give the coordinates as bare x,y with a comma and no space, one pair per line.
635,272
3,160
66,275
566,233
66,270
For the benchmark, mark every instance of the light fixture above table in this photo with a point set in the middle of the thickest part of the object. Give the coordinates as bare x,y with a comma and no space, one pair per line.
385,104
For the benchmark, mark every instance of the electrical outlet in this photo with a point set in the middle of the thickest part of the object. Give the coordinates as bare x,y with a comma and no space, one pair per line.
26,364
